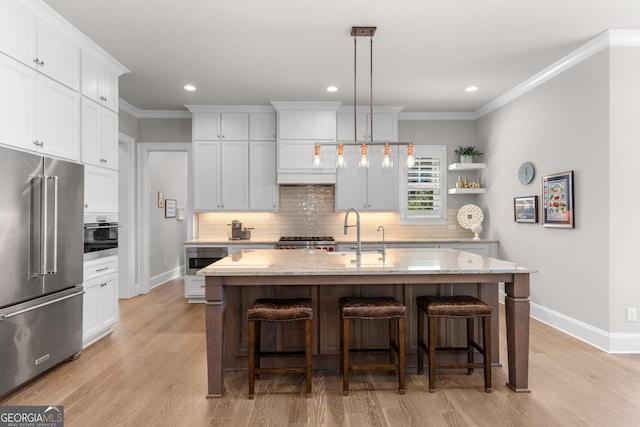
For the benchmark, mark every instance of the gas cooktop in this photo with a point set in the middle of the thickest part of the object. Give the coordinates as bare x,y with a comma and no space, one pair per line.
306,239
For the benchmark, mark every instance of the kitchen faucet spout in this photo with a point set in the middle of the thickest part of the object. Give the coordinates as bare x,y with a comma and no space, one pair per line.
346,228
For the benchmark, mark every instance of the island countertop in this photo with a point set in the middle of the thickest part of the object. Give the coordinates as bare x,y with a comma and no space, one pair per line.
408,261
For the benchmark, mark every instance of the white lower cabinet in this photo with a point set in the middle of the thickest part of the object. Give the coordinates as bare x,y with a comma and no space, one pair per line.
194,288
100,304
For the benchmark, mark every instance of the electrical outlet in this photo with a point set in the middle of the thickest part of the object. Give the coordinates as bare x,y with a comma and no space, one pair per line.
632,314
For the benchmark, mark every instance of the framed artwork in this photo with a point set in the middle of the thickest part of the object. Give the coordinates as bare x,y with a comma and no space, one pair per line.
170,208
525,209
557,200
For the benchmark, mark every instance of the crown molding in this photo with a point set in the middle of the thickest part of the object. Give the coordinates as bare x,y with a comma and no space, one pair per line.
602,41
608,38
436,116
231,108
152,114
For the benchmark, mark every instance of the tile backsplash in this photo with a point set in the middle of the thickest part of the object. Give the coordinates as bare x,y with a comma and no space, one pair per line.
308,210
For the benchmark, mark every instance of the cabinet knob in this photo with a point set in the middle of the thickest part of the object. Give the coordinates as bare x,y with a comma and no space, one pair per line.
86,205
103,98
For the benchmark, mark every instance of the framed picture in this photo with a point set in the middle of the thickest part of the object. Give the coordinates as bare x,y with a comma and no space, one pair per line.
170,208
557,200
525,209
161,199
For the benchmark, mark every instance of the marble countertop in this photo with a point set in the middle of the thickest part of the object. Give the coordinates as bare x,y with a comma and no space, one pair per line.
230,242
276,262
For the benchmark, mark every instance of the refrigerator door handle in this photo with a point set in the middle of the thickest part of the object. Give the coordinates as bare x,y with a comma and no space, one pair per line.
43,225
55,225
16,313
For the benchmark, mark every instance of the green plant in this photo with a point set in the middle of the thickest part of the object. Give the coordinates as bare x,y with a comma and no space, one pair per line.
468,151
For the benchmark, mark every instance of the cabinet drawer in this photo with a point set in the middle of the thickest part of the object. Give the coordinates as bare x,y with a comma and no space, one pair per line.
194,286
100,267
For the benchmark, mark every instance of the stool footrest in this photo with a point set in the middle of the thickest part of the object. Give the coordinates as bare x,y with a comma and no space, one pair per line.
373,367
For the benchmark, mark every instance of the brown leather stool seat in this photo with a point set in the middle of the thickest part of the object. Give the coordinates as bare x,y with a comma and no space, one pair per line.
368,308
278,310
462,307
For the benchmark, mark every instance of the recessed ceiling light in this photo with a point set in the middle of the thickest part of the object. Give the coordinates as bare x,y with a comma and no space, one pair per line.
190,88
332,89
471,89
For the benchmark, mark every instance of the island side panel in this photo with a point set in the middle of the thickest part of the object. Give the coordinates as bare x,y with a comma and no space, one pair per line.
517,311
214,319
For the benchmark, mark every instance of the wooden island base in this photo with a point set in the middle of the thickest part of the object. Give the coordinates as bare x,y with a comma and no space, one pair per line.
229,292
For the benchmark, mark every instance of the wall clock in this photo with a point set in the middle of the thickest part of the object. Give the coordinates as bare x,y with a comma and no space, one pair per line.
526,173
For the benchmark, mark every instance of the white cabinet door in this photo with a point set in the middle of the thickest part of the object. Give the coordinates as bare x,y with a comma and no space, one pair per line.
263,190
206,175
346,126
206,126
91,133
351,182
234,175
234,126
17,104
90,321
382,183
59,57
100,190
109,139
307,125
58,119
98,82
262,126
108,301
385,127
17,32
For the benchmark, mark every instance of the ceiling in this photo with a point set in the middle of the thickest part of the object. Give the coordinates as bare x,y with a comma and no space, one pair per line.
251,52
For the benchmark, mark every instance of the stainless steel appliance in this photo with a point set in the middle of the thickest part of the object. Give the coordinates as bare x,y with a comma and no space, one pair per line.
307,242
200,257
238,233
100,237
40,264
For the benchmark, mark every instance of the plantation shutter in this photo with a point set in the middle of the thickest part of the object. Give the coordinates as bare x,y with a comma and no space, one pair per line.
424,190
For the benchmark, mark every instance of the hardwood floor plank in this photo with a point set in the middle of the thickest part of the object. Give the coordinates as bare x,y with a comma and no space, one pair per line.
151,371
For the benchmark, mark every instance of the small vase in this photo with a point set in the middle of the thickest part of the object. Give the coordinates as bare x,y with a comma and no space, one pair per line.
466,159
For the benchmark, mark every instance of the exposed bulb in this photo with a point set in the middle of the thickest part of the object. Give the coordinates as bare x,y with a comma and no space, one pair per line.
387,161
317,163
364,160
341,162
411,161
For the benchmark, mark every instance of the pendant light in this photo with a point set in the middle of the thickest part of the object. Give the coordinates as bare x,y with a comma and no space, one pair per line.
340,161
387,161
411,161
317,162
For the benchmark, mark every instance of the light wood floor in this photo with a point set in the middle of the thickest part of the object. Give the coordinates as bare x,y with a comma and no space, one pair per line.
152,372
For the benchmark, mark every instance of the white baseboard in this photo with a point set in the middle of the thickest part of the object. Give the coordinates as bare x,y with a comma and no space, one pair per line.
166,276
610,342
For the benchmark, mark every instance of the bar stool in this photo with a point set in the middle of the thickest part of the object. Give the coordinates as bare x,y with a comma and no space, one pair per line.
278,310
459,307
368,308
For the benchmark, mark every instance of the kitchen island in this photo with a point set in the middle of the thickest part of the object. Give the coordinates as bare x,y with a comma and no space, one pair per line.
233,282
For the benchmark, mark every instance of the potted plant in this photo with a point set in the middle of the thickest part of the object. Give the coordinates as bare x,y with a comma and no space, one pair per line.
467,154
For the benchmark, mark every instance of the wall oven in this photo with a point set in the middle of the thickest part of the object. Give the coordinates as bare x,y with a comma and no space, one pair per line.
100,238
200,257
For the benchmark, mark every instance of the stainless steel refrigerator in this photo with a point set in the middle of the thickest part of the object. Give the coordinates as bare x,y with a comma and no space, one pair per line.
41,265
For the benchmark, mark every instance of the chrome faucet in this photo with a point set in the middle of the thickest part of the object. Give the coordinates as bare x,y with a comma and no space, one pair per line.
346,228
380,227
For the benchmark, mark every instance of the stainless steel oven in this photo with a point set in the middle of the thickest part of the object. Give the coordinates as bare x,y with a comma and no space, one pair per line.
200,257
100,238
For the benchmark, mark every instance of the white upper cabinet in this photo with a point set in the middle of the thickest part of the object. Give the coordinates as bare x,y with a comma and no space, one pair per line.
385,127
221,127
99,83
17,103
263,190
99,135
367,189
100,191
58,119
308,125
262,126
17,31
57,56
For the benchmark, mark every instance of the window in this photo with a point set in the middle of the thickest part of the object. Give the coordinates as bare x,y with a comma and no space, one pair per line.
423,195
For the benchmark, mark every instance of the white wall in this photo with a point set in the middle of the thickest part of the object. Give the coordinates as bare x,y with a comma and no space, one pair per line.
562,125
167,173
